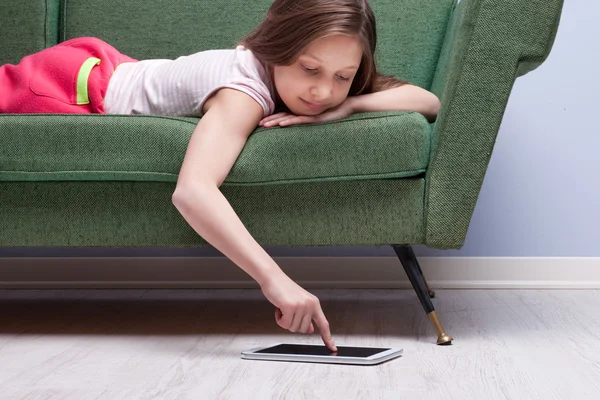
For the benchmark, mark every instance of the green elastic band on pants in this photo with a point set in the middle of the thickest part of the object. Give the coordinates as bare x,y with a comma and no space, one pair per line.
82,80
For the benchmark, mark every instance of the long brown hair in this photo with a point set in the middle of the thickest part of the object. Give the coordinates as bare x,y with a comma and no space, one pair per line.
291,25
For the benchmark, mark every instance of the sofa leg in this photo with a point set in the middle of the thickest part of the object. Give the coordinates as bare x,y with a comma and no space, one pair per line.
411,254
415,275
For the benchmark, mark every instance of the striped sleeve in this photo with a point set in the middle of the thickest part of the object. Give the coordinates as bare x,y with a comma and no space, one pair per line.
248,75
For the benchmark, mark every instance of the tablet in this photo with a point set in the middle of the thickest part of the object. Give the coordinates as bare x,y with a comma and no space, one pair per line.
299,352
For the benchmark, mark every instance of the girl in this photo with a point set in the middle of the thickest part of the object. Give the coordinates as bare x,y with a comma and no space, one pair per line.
308,61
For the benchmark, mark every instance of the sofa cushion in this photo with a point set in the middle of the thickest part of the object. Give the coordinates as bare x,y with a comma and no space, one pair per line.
27,27
410,32
151,148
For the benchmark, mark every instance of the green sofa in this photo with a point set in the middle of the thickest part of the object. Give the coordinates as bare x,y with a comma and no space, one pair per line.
371,179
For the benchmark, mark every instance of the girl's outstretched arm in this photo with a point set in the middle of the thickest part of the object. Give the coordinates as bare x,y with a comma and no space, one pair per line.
214,147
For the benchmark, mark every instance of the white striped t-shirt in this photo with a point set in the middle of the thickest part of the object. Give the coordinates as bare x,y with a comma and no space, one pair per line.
180,87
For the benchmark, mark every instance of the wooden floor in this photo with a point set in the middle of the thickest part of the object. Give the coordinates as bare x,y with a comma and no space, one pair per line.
186,344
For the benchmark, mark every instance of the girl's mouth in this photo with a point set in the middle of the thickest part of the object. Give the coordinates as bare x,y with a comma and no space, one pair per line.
312,106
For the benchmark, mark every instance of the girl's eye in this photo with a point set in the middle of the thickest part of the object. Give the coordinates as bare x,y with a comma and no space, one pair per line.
312,70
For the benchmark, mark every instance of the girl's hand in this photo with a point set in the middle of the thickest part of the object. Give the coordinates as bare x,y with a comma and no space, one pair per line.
296,308
285,119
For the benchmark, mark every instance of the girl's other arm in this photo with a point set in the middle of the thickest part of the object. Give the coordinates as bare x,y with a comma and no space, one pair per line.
403,98
406,97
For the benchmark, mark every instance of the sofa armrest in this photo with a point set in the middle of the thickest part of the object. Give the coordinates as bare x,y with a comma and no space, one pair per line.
488,44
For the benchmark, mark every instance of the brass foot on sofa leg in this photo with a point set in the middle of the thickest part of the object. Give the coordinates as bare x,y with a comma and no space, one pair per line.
443,338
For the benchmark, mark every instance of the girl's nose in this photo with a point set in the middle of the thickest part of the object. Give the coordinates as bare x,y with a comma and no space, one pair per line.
322,91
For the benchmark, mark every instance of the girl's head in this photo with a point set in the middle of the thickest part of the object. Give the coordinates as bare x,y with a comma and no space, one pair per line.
319,51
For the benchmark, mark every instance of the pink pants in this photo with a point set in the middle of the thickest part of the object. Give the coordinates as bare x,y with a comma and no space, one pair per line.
68,78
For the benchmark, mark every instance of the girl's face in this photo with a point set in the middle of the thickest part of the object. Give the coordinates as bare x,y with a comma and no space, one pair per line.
321,77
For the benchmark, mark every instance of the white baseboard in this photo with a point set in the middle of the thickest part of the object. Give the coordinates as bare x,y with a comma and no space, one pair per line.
309,272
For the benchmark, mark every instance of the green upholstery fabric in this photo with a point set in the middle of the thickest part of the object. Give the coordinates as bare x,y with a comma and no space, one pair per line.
27,26
119,214
488,45
410,32
152,148
370,179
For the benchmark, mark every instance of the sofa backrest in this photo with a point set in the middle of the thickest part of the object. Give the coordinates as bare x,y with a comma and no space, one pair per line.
410,32
26,26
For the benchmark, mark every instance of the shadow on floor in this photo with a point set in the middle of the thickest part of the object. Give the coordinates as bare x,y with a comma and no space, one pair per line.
185,312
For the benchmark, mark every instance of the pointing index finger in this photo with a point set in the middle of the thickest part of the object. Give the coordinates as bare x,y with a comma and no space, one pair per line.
323,326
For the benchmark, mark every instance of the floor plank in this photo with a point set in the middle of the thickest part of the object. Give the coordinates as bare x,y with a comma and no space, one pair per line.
186,344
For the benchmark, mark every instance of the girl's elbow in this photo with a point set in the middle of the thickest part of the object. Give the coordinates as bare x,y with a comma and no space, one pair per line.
179,197
183,194
435,104
433,108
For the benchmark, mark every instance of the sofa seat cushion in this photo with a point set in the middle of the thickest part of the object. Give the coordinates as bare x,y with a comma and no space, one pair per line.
151,148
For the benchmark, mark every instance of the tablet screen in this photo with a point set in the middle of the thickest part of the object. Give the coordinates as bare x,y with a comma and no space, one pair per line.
313,350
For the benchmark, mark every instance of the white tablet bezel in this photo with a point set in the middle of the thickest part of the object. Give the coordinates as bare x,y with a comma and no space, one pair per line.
373,359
